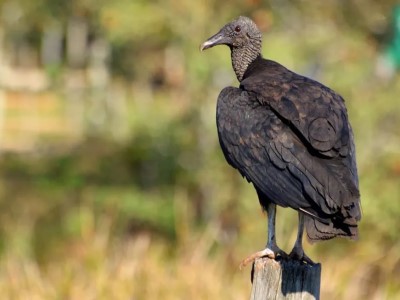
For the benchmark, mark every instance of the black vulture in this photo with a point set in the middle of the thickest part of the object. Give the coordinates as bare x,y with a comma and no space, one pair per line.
291,138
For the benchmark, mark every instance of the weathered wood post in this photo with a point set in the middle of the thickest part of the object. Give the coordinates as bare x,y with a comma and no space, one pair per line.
285,279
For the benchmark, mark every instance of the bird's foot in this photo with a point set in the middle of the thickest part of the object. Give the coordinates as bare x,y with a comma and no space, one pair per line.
270,252
298,254
266,252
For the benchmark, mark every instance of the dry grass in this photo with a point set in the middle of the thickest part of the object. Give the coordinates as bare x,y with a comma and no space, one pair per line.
140,267
98,266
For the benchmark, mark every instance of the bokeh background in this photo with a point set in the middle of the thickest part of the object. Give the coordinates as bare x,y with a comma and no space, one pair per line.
112,183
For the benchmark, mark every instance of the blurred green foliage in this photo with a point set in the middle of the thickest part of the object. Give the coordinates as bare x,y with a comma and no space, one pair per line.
159,213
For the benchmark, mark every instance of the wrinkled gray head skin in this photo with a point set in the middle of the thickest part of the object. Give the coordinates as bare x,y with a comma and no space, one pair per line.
243,38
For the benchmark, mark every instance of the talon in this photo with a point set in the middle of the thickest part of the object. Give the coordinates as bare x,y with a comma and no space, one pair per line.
298,254
282,254
266,252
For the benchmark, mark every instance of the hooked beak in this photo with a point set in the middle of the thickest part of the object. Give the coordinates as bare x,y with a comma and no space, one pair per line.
217,39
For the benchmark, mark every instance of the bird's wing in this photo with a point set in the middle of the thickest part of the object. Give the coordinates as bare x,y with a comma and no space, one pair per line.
269,154
316,113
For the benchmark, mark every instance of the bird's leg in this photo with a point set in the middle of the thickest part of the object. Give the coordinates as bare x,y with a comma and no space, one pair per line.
271,240
271,250
298,251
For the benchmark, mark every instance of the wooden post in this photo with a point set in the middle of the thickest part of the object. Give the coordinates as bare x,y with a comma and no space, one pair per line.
285,279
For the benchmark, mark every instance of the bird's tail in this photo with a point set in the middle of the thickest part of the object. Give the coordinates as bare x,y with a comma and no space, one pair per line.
318,230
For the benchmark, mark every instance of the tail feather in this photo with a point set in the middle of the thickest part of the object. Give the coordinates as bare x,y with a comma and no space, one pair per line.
319,231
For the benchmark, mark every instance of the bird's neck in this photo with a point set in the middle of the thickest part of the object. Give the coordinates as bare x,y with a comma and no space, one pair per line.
242,57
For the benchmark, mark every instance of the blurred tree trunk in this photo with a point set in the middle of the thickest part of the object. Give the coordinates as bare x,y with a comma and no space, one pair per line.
77,41
52,45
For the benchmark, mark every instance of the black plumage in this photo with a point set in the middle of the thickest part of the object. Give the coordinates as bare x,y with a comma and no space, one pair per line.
290,136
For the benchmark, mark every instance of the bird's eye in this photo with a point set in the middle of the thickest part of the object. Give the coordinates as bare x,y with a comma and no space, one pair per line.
237,28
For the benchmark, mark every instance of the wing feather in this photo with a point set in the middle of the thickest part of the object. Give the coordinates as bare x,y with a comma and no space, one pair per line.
314,111
266,150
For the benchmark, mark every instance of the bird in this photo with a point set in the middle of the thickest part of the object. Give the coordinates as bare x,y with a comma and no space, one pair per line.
289,136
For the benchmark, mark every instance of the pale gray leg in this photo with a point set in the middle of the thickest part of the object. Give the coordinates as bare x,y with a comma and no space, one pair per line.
298,251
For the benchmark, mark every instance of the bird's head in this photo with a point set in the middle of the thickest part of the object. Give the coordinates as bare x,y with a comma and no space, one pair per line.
239,33
243,38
